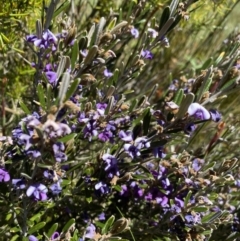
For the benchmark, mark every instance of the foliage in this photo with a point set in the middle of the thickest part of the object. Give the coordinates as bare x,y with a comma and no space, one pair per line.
116,133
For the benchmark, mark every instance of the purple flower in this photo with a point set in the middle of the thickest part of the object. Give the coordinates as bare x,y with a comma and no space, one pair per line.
90,231
146,54
84,52
101,216
106,136
52,77
19,183
111,165
4,175
48,39
216,116
107,73
165,42
56,187
55,235
193,218
134,32
102,188
153,32
25,139
189,128
90,130
158,152
131,150
49,174
125,136
101,107
142,142
198,111
197,164
38,192
32,238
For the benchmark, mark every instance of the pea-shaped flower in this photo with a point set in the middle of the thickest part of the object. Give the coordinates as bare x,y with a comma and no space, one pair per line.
38,192
198,111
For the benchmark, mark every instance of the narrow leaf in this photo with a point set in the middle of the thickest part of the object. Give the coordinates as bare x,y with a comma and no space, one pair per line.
36,227
68,225
108,224
165,16
24,108
41,97
72,89
63,87
74,56
52,230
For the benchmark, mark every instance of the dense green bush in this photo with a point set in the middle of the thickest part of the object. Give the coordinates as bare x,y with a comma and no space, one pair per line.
119,121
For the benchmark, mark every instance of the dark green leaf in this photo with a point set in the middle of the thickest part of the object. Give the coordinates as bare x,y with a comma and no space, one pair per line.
146,121
165,16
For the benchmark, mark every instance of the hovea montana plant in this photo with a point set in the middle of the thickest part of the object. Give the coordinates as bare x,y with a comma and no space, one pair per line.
94,153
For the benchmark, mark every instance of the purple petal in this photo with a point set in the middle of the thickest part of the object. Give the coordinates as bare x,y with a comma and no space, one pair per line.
31,190
198,111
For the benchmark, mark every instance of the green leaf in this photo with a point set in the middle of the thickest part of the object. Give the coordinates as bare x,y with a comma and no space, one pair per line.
99,224
207,63
158,143
186,102
219,58
165,28
146,121
178,97
14,230
199,209
36,217
117,188
24,108
91,55
173,7
89,199
41,97
114,79
25,175
187,198
108,224
67,137
98,31
68,225
72,89
175,23
211,217
62,7
15,237
165,16
112,24
74,56
232,236
36,227
49,96
52,230
63,87
8,216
